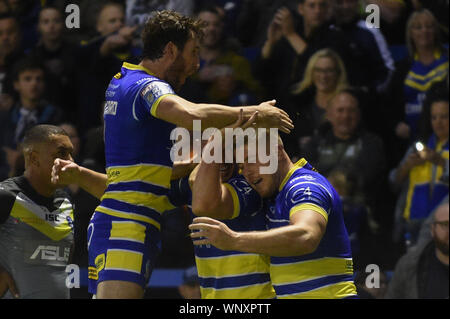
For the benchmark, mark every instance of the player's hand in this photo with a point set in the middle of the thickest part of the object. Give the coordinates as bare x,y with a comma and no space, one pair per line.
65,172
270,116
7,283
208,231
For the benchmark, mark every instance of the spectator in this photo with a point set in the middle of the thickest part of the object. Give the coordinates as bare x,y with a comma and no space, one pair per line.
254,19
289,44
325,75
58,57
365,53
393,17
423,272
190,288
439,8
224,75
427,63
344,143
104,56
422,169
36,221
139,11
30,109
10,53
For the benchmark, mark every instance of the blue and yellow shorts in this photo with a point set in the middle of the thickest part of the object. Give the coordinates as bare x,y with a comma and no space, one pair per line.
121,249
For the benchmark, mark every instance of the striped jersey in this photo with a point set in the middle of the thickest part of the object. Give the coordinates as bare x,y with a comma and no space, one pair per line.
418,81
327,273
137,147
232,274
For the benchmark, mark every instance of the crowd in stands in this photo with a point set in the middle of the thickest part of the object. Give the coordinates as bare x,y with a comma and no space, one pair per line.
370,105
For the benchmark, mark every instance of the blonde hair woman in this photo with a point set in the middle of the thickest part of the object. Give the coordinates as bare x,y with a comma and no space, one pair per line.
427,64
325,75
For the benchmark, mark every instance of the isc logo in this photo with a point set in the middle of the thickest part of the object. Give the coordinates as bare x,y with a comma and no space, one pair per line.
51,218
51,253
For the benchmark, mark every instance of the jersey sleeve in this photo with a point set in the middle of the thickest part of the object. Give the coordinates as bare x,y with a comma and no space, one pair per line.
152,94
246,201
7,200
306,195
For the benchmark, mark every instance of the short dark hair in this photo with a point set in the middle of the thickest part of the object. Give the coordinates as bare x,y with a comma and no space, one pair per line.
40,134
168,26
26,64
53,7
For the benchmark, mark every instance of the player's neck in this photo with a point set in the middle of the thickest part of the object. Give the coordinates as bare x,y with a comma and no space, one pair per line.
38,187
156,67
285,165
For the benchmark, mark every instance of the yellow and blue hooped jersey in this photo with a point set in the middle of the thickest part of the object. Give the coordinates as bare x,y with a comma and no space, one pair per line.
418,81
326,273
425,189
137,147
233,274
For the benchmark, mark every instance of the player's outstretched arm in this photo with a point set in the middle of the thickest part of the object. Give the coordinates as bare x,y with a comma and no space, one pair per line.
181,112
301,237
67,172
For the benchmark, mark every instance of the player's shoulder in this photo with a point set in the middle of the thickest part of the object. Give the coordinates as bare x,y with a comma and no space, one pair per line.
10,186
307,180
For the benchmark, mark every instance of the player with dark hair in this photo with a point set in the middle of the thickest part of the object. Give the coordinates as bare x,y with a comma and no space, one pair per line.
141,110
36,221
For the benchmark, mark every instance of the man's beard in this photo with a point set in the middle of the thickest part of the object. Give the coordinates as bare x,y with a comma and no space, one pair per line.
175,73
441,246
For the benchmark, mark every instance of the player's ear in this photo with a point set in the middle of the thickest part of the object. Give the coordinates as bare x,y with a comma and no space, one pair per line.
171,50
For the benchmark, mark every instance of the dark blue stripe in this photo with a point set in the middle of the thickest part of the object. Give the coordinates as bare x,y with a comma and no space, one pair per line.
309,257
211,251
138,187
310,285
128,208
235,281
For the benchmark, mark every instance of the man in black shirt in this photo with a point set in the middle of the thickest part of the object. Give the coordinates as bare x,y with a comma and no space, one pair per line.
36,221
423,273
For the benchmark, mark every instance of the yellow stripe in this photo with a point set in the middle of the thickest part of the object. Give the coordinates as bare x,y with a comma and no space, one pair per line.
430,74
424,87
153,174
55,233
336,291
311,269
232,265
158,203
135,67
296,166
262,291
308,206
128,230
126,260
420,175
156,104
234,196
131,216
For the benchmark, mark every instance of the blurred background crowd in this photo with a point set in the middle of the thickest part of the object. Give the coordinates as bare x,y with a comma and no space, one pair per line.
369,102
